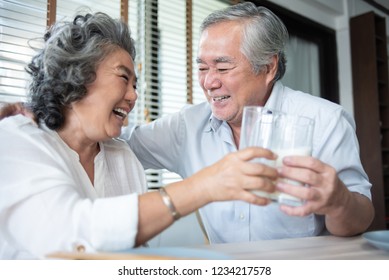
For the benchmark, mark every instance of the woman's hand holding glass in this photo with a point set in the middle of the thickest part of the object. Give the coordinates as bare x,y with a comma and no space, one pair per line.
236,176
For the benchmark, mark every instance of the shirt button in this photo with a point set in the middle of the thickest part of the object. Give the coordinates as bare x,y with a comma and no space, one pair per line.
241,216
80,248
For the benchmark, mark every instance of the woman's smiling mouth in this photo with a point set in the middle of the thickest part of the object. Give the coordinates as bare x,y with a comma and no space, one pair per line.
120,112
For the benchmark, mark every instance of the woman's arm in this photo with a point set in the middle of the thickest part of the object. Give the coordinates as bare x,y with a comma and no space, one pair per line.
231,178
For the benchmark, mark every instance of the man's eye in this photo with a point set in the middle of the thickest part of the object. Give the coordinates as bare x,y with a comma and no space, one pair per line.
124,77
223,69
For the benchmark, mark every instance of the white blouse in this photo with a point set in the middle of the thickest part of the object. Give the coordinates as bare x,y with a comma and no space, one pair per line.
47,202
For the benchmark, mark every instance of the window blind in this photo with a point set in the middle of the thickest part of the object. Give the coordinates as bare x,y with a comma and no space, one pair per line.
200,10
67,9
167,78
20,21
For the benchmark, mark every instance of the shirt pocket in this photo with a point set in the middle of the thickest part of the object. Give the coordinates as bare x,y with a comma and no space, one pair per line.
280,225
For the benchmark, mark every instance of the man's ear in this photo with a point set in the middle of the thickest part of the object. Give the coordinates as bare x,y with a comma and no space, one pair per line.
271,69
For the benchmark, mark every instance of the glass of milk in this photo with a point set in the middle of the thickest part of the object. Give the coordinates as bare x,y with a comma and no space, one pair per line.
284,134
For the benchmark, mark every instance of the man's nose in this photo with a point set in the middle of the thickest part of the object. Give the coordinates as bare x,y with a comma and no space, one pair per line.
212,80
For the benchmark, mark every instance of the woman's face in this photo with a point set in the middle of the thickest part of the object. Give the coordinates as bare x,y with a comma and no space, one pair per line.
101,113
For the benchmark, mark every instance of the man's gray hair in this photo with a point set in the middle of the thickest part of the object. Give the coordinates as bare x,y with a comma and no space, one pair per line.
264,34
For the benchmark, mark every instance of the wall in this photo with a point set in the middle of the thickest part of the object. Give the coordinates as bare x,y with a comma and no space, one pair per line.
335,14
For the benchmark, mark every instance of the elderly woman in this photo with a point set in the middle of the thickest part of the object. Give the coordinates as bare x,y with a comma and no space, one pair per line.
66,182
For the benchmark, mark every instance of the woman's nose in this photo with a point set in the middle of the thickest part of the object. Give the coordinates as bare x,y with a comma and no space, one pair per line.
131,95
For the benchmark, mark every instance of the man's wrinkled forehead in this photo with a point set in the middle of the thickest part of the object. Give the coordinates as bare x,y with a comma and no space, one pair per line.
221,59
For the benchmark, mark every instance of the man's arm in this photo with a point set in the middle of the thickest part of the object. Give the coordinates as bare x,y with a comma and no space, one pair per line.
352,218
12,109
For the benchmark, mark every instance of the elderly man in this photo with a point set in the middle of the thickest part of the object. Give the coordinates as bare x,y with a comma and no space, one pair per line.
240,62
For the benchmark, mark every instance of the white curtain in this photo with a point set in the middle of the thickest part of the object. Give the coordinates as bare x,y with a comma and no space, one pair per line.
302,70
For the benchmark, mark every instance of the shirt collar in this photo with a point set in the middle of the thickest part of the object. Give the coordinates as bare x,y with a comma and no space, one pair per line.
214,124
275,100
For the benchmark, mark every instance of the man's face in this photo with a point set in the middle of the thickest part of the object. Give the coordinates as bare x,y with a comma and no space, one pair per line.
226,76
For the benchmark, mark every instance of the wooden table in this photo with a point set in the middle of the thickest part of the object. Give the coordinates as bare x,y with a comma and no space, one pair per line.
307,248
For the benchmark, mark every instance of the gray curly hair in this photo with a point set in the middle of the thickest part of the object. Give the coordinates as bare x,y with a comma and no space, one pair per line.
68,62
264,34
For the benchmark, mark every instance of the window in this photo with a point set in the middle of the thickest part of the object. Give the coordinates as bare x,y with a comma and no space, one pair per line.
302,55
320,42
66,9
20,21
177,84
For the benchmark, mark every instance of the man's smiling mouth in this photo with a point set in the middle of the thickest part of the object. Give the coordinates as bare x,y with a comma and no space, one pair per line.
220,98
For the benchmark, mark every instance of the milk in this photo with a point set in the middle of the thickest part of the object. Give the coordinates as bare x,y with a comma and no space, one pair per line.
277,196
280,197
299,151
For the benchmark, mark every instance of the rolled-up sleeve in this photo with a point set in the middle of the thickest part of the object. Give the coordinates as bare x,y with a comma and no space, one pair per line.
115,223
